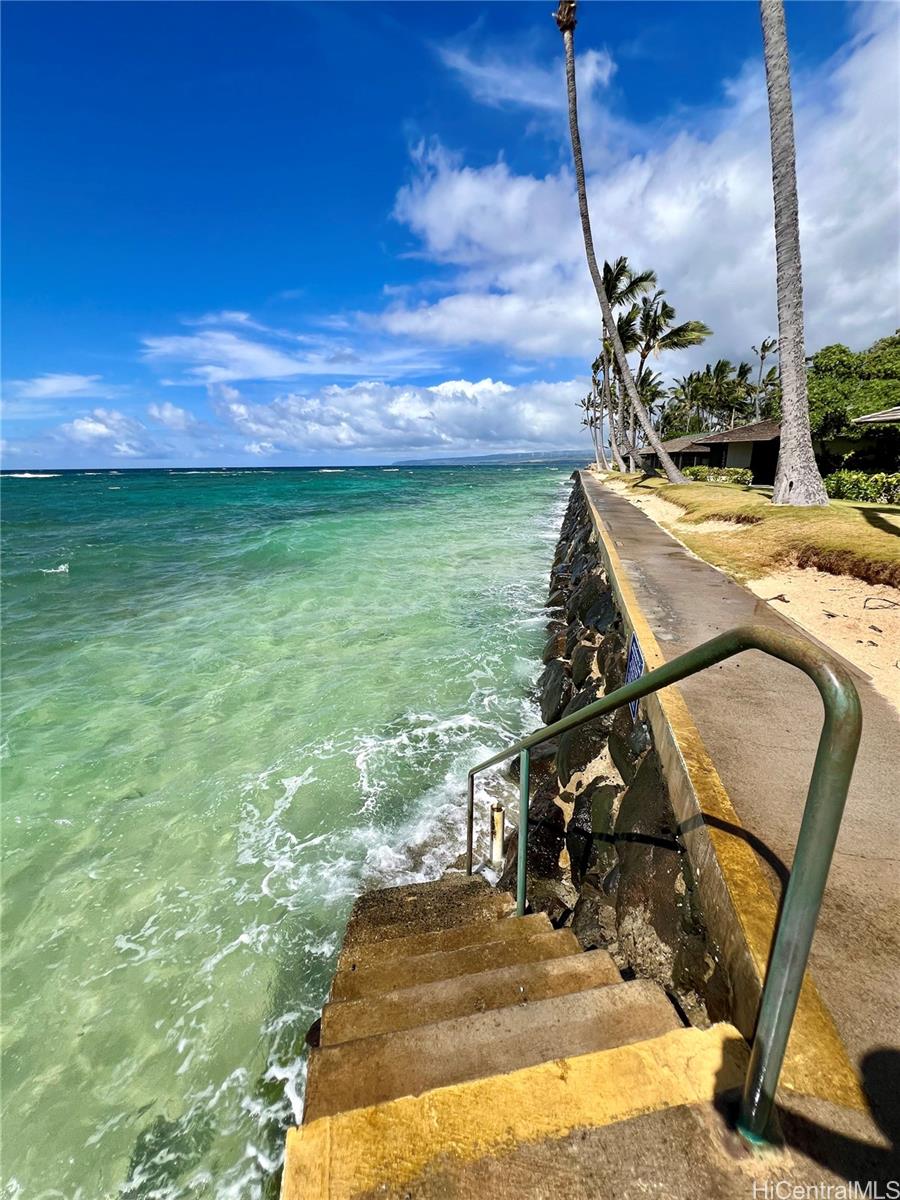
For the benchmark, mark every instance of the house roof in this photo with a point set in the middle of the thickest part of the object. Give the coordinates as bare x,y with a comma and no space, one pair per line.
761,431
885,417
675,445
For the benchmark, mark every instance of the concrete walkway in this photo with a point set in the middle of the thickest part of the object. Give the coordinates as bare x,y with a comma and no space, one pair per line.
760,720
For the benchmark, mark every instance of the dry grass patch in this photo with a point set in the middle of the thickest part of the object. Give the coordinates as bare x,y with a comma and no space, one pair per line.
846,538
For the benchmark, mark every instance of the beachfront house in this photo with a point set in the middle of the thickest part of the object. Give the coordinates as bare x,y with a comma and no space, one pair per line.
684,452
754,446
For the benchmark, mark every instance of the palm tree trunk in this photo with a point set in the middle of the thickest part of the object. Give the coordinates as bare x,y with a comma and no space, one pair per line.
565,19
621,425
610,408
598,425
797,478
631,440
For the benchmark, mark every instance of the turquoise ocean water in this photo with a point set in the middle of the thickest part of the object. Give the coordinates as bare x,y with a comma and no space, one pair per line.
231,700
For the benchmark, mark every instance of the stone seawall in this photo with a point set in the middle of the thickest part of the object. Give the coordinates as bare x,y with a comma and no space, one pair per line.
604,852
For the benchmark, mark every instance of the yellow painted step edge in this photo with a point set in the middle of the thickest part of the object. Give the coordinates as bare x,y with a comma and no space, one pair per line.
390,1144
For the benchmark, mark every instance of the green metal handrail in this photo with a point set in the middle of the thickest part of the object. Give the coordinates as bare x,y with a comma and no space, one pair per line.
827,794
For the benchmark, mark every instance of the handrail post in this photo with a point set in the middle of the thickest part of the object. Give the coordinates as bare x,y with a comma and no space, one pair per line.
524,766
800,913
793,935
470,822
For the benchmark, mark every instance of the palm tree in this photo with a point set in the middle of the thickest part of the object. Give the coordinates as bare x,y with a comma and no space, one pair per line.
607,402
716,384
797,478
565,20
624,286
652,393
597,407
627,331
587,405
771,391
688,395
741,389
657,333
766,347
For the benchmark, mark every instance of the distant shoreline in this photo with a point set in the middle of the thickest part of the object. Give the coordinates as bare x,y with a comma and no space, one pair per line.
515,460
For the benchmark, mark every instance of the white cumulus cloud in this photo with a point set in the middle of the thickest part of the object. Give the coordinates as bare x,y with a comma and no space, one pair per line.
694,203
172,416
373,417
110,430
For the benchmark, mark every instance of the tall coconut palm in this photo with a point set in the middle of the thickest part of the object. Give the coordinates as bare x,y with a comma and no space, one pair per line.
590,421
625,286
608,403
597,404
797,478
652,392
741,389
565,20
766,347
627,333
657,333
687,403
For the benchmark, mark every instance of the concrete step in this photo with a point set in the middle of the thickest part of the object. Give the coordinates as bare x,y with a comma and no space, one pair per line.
393,974
352,958
424,908
377,1069
445,999
400,1148
388,897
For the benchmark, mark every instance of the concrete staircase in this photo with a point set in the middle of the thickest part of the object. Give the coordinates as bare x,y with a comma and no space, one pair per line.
456,1032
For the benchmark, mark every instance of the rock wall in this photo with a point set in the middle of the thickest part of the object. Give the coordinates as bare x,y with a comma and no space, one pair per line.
604,853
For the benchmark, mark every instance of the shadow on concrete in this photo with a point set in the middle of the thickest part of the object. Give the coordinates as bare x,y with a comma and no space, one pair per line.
757,845
851,1158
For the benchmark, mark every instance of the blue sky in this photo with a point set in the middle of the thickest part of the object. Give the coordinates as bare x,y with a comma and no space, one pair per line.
299,233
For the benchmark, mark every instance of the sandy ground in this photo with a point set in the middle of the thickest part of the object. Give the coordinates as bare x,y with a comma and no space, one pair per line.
860,621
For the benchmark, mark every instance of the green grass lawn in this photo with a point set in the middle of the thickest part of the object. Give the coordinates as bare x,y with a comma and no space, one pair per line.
846,538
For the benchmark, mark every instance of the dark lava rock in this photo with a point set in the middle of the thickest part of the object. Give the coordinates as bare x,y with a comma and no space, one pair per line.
589,835
611,660
592,589
582,566
541,762
546,837
560,576
555,689
628,742
579,746
602,614
594,919
555,646
556,599
573,636
583,657
579,838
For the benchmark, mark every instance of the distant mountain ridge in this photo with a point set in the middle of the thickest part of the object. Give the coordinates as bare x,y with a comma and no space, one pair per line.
499,460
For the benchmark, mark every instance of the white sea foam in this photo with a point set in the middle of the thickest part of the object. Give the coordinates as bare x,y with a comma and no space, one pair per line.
33,475
62,569
331,471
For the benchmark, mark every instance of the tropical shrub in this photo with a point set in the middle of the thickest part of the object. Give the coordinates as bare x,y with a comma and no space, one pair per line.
877,488
720,474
